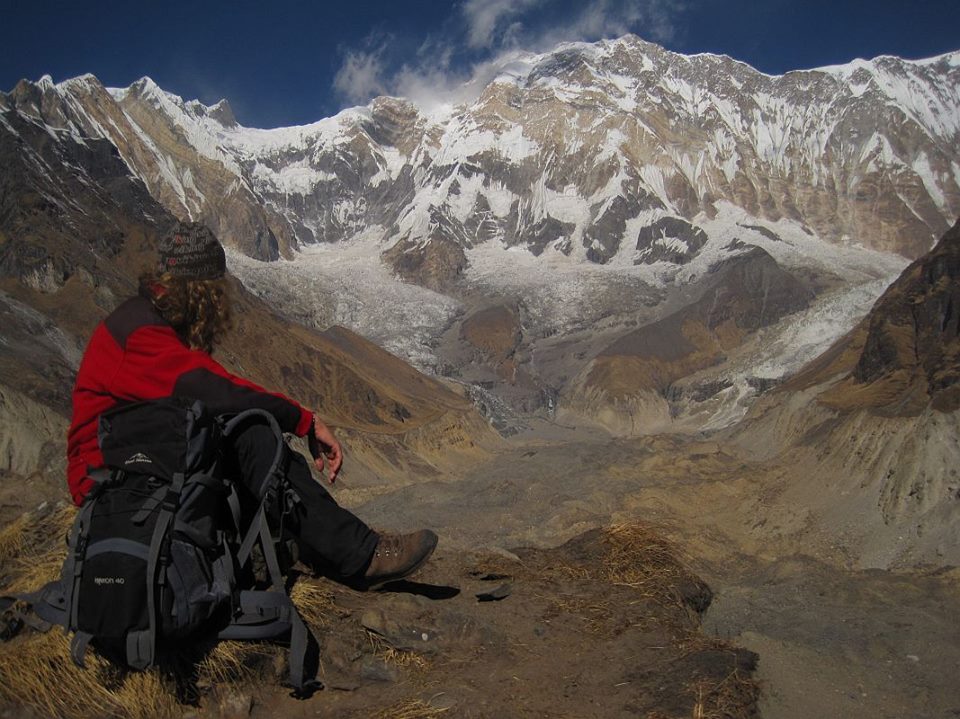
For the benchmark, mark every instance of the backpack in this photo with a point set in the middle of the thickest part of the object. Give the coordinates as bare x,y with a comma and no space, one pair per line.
157,555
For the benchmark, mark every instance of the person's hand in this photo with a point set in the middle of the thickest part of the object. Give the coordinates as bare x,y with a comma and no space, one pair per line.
322,444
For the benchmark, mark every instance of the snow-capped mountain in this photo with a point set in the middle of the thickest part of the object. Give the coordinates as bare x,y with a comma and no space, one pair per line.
592,150
588,191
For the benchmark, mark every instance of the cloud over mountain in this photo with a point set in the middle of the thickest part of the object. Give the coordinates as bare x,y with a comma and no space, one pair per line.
452,65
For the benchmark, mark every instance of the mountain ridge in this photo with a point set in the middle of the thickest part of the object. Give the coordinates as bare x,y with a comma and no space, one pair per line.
590,167
567,63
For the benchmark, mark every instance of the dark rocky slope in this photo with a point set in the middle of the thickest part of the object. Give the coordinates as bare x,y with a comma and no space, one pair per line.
868,431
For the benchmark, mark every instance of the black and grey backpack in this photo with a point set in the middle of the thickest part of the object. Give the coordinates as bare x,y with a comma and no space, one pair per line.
158,554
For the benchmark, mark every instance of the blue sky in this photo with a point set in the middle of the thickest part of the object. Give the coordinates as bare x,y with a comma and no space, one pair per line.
285,62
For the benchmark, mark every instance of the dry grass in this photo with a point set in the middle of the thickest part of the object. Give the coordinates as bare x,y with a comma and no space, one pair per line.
315,603
405,659
409,709
633,556
236,663
12,538
636,556
402,658
36,670
33,547
595,613
734,697
693,640
639,556
647,579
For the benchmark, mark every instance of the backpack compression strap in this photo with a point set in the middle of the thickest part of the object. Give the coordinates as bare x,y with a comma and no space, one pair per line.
72,574
142,645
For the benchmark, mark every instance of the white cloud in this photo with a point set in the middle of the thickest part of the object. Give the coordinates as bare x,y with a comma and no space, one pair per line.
484,18
361,77
652,19
433,87
493,29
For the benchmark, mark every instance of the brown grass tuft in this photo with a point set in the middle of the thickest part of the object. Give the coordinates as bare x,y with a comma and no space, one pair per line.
33,547
237,663
636,556
315,602
402,658
734,697
639,556
12,538
409,709
594,613
36,670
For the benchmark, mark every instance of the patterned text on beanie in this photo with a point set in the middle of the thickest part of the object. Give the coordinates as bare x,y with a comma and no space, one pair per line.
192,252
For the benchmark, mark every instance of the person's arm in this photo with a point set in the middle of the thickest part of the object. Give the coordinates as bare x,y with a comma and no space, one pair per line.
158,364
322,443
156,355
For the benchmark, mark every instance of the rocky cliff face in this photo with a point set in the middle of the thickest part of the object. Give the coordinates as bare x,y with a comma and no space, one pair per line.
189,178
913,333
584,150
902,358
867,432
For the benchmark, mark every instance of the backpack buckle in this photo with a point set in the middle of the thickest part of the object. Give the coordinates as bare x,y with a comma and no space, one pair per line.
171,500
81,549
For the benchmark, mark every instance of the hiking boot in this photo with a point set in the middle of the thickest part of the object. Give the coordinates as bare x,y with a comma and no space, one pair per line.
399,555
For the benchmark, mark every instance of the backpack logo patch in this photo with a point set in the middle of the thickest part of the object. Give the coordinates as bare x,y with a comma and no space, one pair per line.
139,458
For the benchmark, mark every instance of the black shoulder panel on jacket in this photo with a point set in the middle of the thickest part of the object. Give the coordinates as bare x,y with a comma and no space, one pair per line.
133,314
224,397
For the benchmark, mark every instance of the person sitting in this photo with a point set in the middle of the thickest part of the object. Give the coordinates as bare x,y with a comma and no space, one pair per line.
159,344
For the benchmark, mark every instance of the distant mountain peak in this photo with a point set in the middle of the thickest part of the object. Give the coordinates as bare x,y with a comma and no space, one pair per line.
219,111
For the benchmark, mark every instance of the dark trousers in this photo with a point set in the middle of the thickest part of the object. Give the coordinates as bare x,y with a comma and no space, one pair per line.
330,538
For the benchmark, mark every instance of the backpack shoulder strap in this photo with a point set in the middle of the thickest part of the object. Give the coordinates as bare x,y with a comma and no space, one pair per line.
270,614
49,604
259,529
231,425
231,422
304,655
78,648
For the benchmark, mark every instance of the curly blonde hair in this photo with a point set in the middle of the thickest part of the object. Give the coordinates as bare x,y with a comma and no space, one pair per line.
198,310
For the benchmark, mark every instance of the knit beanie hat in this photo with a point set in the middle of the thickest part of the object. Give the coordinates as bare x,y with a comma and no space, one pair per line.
192,252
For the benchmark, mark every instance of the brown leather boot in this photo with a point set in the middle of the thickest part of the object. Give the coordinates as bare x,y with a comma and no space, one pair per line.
399,555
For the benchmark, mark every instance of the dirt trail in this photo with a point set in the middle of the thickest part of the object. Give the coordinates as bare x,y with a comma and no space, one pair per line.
833,642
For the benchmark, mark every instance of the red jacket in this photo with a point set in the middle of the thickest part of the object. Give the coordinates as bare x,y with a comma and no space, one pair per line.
135,355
